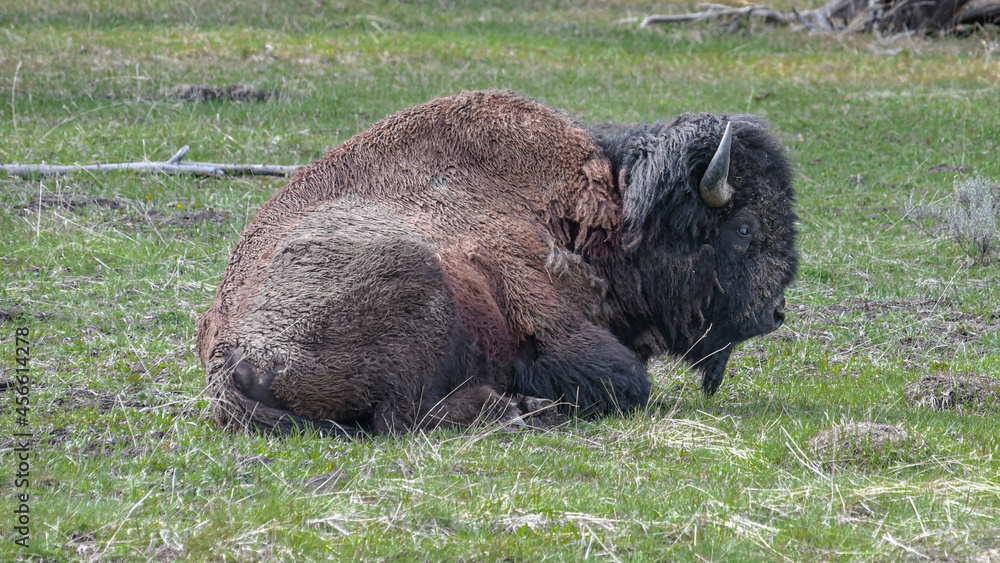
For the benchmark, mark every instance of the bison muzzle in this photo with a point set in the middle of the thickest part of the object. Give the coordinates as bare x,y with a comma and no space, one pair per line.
484,247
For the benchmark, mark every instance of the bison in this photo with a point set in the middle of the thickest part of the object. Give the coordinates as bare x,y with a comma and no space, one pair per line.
483,247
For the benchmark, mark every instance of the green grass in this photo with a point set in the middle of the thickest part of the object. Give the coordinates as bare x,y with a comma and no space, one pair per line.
128,465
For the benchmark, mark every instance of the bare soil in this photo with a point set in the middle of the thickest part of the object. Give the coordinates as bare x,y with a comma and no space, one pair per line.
931,324
326,482
76,398
866,444
233,93
136,214
72,203
18,312
203,216
944,391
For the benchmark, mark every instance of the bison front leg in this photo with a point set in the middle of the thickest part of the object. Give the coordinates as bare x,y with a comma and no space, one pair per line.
588,370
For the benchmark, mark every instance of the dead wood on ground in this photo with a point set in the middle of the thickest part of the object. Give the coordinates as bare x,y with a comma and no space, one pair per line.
171,166
847,16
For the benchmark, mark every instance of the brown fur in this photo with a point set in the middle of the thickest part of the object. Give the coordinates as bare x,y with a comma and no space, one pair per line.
479,190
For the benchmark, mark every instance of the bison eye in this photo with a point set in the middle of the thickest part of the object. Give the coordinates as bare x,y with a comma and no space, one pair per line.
740,231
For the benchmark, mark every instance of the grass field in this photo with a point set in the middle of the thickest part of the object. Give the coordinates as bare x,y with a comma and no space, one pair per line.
109,272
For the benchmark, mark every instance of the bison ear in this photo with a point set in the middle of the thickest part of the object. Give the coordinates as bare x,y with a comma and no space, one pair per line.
714,188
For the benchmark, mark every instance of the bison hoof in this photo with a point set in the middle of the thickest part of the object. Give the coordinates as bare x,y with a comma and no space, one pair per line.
531,405
515,422
528,413
539,412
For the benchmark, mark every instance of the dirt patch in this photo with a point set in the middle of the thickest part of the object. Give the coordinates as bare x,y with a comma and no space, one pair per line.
140,446
76,399
866,444
173,552
17,312
947,168
245,461
83,545
203,216
955,391
135,216
324,483
38,439
234,93
71,203
987,556
929,325
972,546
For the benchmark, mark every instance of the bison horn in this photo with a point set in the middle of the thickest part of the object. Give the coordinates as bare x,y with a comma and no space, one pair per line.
715,189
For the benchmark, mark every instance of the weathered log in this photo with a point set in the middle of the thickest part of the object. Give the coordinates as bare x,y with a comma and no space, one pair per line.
979,12
846,16
173,165
716,11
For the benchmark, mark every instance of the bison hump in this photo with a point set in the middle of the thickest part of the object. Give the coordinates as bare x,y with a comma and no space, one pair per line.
496,150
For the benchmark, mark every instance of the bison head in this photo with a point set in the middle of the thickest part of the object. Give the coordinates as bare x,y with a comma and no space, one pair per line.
709,242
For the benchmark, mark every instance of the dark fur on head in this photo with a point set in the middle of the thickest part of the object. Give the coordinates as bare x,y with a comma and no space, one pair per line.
686,280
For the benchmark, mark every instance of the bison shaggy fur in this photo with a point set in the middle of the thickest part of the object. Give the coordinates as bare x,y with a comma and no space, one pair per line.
483,247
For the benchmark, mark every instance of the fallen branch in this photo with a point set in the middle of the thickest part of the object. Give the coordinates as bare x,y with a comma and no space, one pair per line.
981,13
171,166
845,16
715,11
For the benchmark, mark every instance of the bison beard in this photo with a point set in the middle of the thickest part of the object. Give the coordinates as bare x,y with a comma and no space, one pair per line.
462,257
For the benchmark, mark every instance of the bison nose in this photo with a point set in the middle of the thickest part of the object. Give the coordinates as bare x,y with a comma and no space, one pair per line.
779,313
